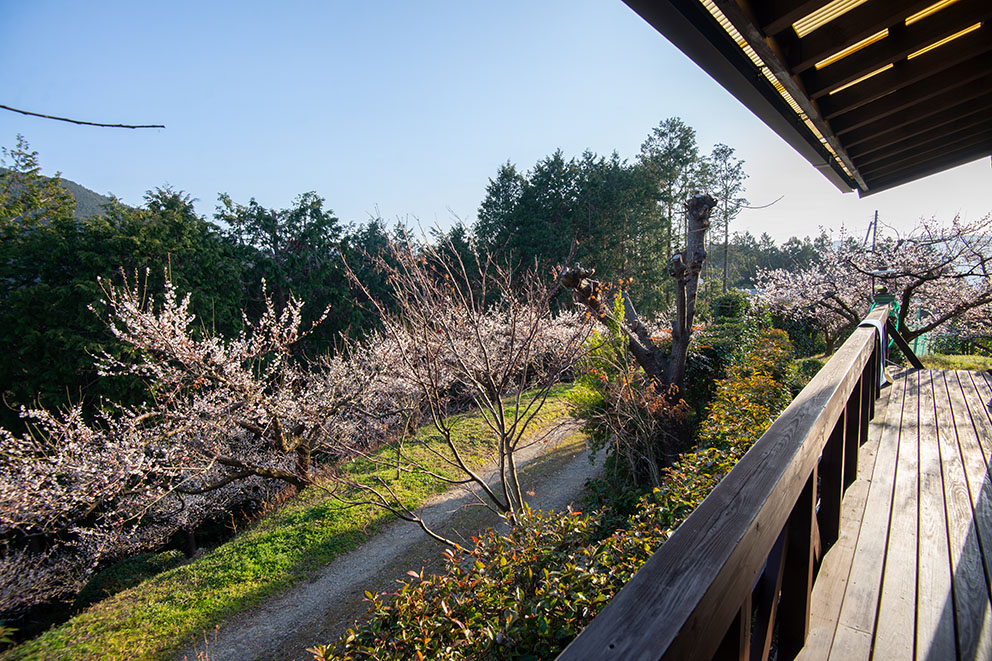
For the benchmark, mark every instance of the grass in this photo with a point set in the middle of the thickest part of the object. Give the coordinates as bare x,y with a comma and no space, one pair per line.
956,362
159,617
942,361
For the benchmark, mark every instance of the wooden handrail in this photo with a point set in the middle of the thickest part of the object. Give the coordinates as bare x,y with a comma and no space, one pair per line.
749,550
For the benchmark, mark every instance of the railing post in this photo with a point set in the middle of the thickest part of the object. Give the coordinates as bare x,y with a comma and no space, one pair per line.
797,583
873,394
764,597
867,397
832,482
852,433
736,643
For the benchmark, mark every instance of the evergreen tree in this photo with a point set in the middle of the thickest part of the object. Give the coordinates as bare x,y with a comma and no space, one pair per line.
727,177
296,251
670,153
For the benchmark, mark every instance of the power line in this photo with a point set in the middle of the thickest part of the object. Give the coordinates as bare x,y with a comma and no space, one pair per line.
82,123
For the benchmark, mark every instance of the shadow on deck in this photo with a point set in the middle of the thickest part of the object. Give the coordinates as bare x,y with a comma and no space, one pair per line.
908,576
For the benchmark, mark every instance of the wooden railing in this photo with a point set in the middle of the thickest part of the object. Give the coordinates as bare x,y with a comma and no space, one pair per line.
742,566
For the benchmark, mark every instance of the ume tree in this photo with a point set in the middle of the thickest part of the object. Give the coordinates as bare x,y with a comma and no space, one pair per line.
470,330
230,420
937,272
663,364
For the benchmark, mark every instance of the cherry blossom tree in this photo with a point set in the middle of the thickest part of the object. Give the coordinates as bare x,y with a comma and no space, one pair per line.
229,421
829,293
462,327
225,420
937,272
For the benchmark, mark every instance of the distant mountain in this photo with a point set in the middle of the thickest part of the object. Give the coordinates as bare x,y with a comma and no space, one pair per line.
88,203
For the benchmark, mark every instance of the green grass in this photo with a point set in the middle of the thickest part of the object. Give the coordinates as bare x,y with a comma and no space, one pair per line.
159,617
956,362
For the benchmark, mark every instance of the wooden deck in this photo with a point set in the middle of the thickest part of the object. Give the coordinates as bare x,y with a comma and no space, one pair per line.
909,575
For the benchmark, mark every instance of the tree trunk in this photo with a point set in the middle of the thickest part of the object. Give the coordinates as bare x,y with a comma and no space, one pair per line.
726,251
303,461
189,543
685,267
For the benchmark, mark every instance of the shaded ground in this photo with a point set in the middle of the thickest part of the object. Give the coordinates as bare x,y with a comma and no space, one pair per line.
554,470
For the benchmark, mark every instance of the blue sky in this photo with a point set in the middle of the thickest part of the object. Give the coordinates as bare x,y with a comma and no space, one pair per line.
398,109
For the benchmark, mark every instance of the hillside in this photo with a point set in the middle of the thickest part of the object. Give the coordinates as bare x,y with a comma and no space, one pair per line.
88,203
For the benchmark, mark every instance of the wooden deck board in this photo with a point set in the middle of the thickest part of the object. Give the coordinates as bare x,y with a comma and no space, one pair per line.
972,559
861,594
963,458
935,637
910,574
828,592
897,603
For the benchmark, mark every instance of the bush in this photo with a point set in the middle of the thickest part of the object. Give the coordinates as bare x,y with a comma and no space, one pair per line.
806,336
526,594
626,413
730,306
754,392
806,369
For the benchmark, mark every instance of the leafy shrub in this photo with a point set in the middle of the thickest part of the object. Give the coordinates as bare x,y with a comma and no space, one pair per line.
754,392
806,369
729,306
526,594
805,335
626,413
739,321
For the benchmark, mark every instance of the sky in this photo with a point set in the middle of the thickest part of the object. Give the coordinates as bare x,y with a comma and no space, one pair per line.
401,110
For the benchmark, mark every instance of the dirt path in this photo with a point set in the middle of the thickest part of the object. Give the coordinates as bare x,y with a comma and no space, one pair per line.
553,470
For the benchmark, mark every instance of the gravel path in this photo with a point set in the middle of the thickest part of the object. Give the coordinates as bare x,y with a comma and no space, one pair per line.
553,470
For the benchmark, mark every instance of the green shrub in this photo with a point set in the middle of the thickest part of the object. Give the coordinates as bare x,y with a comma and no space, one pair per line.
626,413
730,306
806,369
805,335
526,594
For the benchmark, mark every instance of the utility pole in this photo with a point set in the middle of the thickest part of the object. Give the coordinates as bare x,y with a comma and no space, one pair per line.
873,230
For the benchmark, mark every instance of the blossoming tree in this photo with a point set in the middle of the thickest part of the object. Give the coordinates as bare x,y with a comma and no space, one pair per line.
230,420
937,272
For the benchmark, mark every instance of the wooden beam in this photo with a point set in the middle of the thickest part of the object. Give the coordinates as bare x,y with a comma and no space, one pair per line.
766,49
972,125
797,581
852,434
695,32
846,30
884,134
775,16
907,351
901,41
832,482
972,74
934,150
960,157
963,50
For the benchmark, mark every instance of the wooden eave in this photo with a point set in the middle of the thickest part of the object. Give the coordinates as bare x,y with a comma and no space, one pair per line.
887,113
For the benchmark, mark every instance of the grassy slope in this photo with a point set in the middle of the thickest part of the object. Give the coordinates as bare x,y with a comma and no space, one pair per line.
955,362
160,616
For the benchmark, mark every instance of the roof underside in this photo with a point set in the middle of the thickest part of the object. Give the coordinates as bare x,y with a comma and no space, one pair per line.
873,93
